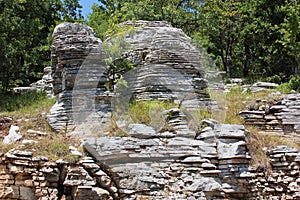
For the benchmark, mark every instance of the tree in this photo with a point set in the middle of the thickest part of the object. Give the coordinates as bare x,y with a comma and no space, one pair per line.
25,26
251,38
180,13
255,39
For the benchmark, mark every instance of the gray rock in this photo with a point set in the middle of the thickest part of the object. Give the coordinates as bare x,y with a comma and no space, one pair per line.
13,135
141,131
205,184
24,90
265,84
159,52
78,64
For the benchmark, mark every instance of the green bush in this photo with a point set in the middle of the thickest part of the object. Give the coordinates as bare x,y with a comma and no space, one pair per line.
292,84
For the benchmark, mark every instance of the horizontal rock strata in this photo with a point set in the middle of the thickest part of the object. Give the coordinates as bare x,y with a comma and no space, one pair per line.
168,66
78,82
25,177
214,165
280,116
283,180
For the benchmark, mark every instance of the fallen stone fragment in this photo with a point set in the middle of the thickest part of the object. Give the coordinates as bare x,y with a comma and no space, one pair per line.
13,135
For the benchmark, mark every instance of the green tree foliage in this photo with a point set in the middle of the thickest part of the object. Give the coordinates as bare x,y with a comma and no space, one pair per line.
255,39
180,13
25,26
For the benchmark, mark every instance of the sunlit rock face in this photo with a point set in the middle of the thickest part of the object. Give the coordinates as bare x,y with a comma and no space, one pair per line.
168,66
78,82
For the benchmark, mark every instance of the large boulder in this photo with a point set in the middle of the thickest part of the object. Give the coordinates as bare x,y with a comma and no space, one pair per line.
78,82
167,65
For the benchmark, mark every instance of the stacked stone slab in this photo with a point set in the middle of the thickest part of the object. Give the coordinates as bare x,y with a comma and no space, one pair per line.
77,58
281,116
283,180
214,165
168,66
44,84
25,177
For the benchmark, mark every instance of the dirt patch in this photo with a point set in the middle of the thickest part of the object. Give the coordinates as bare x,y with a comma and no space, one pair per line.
5,123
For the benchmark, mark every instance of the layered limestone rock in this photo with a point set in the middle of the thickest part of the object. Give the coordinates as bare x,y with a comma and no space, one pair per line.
279,115
283,181
168,66
210,165
78,82
24,177
44,84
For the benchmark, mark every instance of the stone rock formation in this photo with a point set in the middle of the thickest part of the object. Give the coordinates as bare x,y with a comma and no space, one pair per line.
210,165
167,65
279,115
200,175
45,84
78,81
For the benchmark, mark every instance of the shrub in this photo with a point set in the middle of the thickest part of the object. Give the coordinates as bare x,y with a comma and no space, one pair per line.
292,84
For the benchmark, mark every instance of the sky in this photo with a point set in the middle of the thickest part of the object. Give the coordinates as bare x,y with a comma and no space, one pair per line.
87,6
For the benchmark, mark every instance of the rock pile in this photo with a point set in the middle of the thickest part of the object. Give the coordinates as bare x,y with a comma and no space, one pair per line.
283,181
25,177
280,116
167,67
213,164
45,84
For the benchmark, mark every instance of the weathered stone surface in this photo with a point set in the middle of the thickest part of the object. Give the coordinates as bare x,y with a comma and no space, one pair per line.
282,182
45,84
13,135
177,164
168,66
50,180
176,168
141,131
77,71
280,115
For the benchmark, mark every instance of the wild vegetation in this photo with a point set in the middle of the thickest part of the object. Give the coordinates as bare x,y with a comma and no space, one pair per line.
28,111
255,39
26,27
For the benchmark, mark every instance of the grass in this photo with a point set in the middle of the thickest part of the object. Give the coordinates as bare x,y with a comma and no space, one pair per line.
150,112
54,146
23,103
28,111
257,141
